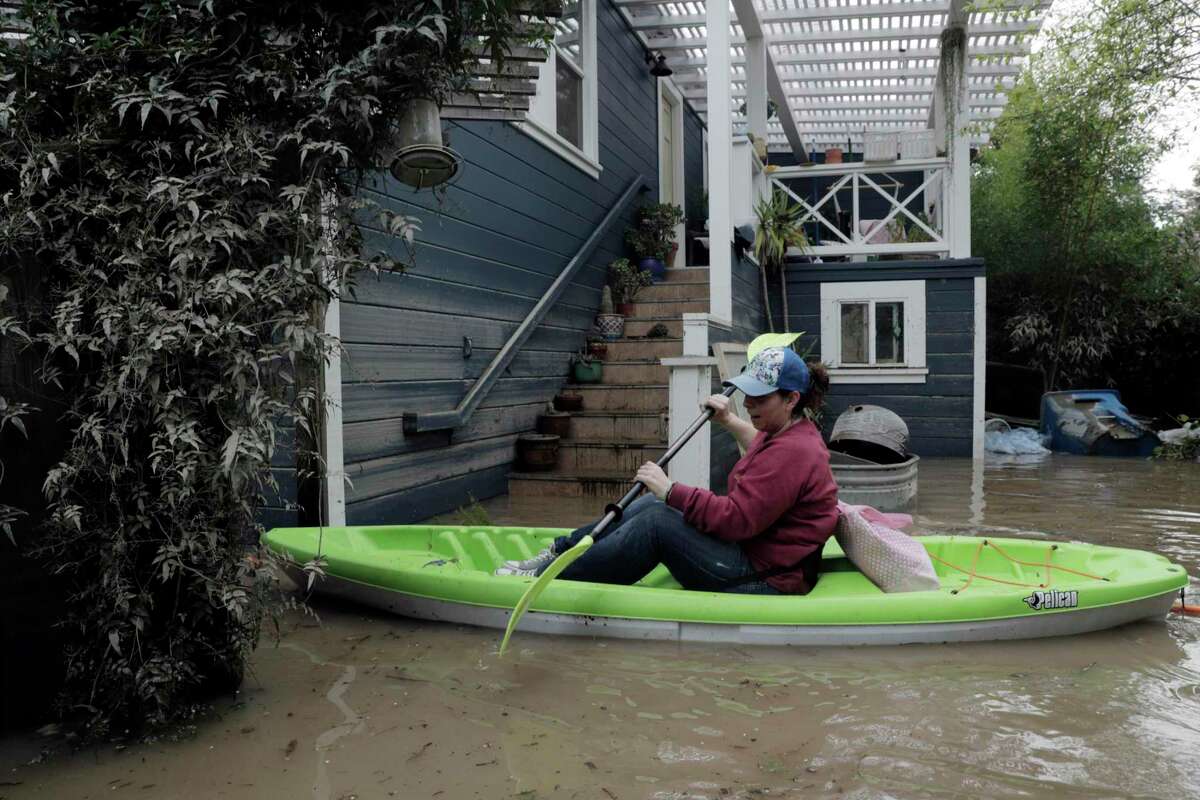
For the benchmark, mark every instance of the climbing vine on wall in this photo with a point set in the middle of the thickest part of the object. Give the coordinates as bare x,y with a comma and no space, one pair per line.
165,167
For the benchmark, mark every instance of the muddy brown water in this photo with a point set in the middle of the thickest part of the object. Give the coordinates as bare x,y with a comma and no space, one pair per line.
363,705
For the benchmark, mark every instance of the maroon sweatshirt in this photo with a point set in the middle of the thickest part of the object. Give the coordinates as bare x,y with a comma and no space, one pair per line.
781,506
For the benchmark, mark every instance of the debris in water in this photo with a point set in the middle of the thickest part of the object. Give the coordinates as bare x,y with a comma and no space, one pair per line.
291,748
420,751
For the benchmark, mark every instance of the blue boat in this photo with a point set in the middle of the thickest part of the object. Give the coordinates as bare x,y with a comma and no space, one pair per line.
1094,423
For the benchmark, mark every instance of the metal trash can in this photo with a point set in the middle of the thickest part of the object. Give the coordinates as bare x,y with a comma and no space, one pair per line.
873,433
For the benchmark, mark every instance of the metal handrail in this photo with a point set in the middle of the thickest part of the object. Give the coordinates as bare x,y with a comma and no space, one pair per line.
442,420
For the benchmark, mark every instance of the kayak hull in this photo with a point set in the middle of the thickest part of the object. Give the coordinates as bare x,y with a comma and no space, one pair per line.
991,589
1061,624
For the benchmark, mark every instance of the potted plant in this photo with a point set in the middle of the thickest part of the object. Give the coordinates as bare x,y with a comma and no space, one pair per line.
626,281
568,401
597,347
537,452
779,227
653,237
610,324
554,422
585,369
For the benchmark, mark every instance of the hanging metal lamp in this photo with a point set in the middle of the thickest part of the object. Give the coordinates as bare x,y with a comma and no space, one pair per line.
422,161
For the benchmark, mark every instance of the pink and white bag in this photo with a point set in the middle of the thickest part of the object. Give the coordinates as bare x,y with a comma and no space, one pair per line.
890,558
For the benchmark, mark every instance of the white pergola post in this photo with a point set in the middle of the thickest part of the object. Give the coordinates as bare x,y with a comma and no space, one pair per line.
952,125
756,85
720,156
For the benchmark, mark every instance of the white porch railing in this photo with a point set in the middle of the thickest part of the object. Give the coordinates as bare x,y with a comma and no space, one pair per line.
860,178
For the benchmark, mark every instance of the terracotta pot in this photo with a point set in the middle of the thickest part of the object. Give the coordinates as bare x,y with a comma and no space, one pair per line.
833,155
537,452
625,309
555,425
568,402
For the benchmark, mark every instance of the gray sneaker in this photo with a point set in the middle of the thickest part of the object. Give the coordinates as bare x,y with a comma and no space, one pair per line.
530,566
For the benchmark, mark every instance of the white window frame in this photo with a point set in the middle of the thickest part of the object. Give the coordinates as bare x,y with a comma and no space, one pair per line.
675,97
540,122
911,293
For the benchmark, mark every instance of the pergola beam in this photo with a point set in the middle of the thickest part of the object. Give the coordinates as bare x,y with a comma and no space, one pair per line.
684,63
925,32
916,105
997,71
747,16
649,22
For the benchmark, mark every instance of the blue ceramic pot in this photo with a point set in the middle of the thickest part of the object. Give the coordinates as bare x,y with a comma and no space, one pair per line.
656,268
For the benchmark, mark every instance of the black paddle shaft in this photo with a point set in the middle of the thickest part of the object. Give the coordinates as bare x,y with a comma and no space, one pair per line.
614,511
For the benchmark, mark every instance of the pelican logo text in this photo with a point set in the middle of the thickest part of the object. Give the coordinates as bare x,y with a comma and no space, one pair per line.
1040,600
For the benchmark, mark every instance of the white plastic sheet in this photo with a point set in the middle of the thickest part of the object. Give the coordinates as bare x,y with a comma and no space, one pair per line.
1014,442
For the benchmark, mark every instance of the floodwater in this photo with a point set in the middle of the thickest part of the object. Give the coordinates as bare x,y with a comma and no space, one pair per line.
362,705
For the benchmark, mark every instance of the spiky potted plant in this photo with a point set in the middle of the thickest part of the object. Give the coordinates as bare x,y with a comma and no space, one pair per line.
779,227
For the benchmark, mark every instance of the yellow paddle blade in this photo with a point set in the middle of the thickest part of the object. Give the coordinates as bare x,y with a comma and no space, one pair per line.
766,340
537,587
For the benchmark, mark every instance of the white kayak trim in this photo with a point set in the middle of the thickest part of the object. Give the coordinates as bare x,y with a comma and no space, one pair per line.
1029,626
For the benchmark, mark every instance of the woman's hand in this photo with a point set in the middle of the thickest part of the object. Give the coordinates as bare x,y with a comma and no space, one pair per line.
653,478
722,407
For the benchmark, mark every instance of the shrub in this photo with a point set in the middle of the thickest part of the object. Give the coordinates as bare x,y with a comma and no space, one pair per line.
184,179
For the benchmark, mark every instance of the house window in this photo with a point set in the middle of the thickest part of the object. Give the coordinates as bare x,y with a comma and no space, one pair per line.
563,113
874,332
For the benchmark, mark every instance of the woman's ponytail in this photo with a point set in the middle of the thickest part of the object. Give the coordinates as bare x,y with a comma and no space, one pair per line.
818,387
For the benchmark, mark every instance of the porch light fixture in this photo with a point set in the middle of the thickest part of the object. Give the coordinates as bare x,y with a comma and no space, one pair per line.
422,161
660,68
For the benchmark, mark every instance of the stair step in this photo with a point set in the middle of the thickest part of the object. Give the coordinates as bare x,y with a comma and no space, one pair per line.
592,457
674,290
619,426
644,371
686,274
640,326
549,484
668,308
634,349
622,397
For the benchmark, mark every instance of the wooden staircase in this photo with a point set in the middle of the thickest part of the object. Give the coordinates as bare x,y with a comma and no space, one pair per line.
624,421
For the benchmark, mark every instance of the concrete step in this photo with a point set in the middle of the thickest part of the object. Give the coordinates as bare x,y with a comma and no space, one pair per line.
674,290
549,484
647,427
641,371
668,308
618,397
591,457
687,274
643,349
640,326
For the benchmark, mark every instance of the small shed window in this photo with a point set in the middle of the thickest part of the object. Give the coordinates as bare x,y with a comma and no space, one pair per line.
874,331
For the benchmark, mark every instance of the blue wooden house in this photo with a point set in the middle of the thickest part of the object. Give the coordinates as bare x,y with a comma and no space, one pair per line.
864,113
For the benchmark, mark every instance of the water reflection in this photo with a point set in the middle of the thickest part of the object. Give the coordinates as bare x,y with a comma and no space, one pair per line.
369,705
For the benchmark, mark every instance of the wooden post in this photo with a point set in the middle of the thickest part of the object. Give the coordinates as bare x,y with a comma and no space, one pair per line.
691,383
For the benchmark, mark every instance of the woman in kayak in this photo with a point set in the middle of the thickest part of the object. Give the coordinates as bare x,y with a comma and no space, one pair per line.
765,536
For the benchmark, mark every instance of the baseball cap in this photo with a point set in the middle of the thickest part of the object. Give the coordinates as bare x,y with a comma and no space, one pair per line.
773,369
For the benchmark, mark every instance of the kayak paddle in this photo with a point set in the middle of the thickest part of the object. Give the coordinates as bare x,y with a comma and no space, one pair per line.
616,510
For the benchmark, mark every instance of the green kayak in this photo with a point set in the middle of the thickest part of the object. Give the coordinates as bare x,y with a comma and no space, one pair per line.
990,589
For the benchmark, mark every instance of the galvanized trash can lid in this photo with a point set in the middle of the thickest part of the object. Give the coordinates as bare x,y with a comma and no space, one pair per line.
872,425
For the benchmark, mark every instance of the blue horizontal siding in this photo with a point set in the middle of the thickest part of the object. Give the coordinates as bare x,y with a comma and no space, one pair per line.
487,250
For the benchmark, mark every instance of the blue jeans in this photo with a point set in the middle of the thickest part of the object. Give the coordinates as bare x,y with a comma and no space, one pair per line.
653,533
